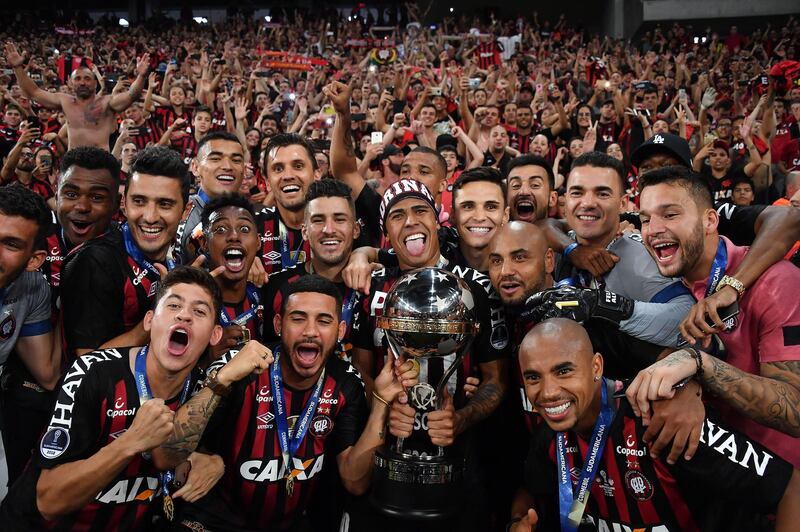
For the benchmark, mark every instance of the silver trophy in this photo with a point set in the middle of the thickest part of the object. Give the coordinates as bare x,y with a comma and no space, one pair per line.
429,313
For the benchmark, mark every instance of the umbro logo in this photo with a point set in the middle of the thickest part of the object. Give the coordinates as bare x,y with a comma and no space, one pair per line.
273,256
265,420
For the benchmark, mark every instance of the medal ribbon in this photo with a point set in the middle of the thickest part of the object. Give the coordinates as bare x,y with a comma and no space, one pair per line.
145,394
136,253
287,260
203,196
572,504
717,268
291,442
242,319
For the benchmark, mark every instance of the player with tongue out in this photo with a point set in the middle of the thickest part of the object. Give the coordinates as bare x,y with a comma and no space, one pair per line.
409,221
230,241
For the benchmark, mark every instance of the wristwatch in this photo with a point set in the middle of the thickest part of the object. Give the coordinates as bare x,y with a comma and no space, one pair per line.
733,282
217,387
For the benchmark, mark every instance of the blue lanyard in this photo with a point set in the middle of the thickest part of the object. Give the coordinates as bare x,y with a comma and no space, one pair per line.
145,394
137,255
351,296
288,259
244,317
203,196
571,505
717,268
290,443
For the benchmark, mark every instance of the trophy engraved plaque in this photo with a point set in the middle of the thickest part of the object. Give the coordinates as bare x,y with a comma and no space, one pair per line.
430,315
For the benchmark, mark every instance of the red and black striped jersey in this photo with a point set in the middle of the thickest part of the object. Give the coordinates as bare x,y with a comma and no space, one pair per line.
149,133
731,482
491,343
281,246
218,121
487,54
104,291
96,404
39,186
252,493
521,143
166,115
186,146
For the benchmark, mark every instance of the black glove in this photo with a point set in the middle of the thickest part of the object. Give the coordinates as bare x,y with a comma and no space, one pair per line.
580,304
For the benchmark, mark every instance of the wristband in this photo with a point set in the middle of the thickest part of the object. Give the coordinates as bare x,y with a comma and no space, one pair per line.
698,358
569,249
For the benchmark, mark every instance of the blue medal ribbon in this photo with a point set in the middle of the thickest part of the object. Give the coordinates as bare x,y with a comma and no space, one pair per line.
203,196
137,255
244,317
291,442
349,303
288,259
717,268
145,394
572,504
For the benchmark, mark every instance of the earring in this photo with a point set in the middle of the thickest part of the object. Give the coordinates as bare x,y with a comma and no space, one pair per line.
596,378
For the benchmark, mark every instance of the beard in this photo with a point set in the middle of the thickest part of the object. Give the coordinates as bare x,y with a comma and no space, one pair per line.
692,251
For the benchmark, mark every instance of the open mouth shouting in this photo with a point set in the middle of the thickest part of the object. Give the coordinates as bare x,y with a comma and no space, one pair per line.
307,354
178,340
415,244
526,208
664,250
80,227
233,258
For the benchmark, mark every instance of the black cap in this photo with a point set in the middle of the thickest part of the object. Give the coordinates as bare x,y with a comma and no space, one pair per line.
663,143
446,141
390,150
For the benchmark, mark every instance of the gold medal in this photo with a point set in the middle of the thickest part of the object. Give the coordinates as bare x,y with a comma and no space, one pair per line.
169,507
289,484
245,335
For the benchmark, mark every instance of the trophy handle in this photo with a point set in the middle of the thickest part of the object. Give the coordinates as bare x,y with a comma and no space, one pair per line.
396,351
443,382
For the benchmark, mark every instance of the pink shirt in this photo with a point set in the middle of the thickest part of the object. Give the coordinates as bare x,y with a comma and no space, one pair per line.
767,330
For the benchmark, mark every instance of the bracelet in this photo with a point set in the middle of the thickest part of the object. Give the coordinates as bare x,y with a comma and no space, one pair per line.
569,249
698,358
381,399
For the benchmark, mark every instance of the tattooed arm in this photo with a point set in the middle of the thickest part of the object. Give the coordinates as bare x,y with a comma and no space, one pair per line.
494,381
772,398
191,419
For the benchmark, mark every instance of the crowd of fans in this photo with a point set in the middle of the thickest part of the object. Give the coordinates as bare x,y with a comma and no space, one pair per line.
552,169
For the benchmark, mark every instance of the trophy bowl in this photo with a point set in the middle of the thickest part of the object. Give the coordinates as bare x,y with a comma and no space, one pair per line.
428,313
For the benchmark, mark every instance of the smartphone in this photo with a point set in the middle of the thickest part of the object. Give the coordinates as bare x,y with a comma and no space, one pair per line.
398,106
262,74
726,314
376,137
358,117
435,91
328,110
681,94
194,56
539,87
474,83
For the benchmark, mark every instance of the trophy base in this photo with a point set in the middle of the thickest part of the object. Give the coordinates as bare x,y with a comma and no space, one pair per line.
414,488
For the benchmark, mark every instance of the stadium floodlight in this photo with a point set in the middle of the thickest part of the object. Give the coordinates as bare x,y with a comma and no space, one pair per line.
124,23
201,20
268,18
